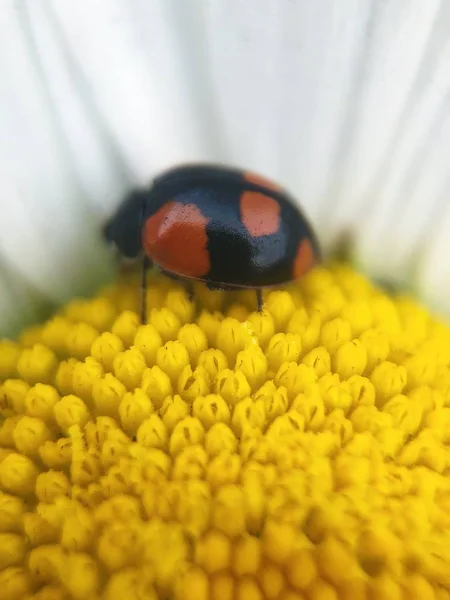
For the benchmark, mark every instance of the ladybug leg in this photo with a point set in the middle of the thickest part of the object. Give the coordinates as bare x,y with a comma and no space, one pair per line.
145,265
189,287
259,300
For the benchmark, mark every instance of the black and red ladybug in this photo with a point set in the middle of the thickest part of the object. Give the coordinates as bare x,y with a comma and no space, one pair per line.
226,227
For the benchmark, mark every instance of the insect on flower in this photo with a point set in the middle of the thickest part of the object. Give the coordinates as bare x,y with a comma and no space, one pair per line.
225,227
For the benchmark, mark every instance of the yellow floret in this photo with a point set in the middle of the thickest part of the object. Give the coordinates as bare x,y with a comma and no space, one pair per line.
217,453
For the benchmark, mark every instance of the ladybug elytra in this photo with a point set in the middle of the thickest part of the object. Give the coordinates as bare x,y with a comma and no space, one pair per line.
226,227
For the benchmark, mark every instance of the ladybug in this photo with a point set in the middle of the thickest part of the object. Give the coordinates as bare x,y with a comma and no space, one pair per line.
226,227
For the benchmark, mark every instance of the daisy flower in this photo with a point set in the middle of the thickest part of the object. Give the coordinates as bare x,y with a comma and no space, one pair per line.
218,453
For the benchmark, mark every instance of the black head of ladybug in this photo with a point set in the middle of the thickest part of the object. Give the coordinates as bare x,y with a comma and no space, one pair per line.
123,230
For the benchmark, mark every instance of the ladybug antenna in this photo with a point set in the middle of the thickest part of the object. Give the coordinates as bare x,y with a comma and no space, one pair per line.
145,263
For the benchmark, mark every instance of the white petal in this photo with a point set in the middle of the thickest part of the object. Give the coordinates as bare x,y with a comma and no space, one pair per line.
20,304
346,103
433,265
139,62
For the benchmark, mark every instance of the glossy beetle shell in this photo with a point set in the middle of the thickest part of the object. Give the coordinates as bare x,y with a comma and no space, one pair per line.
226,227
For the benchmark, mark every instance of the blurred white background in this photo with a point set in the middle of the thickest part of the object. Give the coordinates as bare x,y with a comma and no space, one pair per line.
345,102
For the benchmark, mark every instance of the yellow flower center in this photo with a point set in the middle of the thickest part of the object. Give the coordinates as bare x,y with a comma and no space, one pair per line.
220,454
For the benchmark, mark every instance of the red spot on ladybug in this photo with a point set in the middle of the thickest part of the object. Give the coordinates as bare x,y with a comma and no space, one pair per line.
260,180
304,258
176,239
260,214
